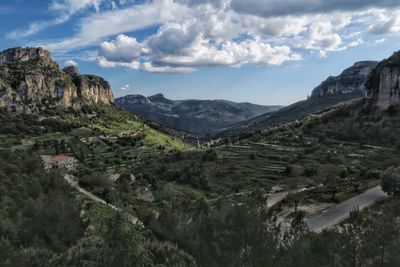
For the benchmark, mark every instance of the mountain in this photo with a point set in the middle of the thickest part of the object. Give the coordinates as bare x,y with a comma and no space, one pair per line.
383,85
200,117
350,81
31,80
350,84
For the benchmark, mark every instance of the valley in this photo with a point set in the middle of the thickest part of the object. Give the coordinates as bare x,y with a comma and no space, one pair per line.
92,179
200,118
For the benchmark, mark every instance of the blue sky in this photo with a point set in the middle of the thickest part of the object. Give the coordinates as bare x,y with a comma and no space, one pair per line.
260,51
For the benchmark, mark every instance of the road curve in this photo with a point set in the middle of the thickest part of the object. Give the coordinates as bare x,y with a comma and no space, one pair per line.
340,212
70,179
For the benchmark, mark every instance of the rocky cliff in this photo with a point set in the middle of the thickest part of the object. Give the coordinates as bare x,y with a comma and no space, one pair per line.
383,85
30,79
350,81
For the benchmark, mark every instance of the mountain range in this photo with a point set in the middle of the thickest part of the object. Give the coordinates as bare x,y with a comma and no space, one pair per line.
199,117
30,80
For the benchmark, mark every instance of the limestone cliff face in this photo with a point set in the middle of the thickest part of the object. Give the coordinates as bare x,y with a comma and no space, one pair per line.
350,81
17,55
30,79
383,84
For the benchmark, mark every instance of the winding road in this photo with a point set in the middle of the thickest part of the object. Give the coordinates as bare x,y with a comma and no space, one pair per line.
70,179
340,212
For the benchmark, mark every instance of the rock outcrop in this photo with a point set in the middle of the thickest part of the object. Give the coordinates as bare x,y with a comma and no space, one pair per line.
30,80
71,70
18,55
350,81
383,85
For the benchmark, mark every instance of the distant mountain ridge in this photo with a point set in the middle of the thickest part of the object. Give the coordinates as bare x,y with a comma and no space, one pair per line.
199,117
349,85
350,81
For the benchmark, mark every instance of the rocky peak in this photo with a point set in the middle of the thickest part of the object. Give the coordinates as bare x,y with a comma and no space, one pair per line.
383,84
30,80
133,99
350,81
18,55
157,97
71,70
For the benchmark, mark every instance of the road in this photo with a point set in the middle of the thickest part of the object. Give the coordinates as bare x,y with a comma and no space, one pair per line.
340,212
70,179
276,198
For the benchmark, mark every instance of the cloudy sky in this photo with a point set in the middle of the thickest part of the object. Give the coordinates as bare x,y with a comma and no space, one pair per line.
261,51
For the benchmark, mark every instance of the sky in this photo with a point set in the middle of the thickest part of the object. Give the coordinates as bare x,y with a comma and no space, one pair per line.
271,52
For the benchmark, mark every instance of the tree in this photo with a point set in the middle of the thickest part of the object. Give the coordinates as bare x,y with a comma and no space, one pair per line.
295,196
353,233
114,241
391,181
332,185
56,147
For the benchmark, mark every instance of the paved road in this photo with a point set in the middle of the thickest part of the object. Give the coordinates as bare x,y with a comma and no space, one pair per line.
276,198
340,212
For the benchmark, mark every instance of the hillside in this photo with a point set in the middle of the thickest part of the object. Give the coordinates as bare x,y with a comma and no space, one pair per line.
350,84
198,117
296,111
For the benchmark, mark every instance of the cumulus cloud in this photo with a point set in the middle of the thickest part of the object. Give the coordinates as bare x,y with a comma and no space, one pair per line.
123,48
180,48
192,34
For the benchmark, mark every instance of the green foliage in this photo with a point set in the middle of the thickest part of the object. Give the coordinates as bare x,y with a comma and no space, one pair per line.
113,241
391,181
38,213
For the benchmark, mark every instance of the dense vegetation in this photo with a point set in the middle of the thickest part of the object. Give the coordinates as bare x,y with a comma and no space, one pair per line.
199,207
39,214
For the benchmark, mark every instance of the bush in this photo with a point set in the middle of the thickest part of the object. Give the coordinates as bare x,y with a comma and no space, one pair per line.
391,181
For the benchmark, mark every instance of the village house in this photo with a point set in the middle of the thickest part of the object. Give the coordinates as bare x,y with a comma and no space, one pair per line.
59,162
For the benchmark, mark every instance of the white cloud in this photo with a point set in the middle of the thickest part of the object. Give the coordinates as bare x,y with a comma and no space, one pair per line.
125,87
123,48
105,63
387,25
201,33
94,28
147,66
38,26
73,6
64,10
70,63
320,36
180,48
